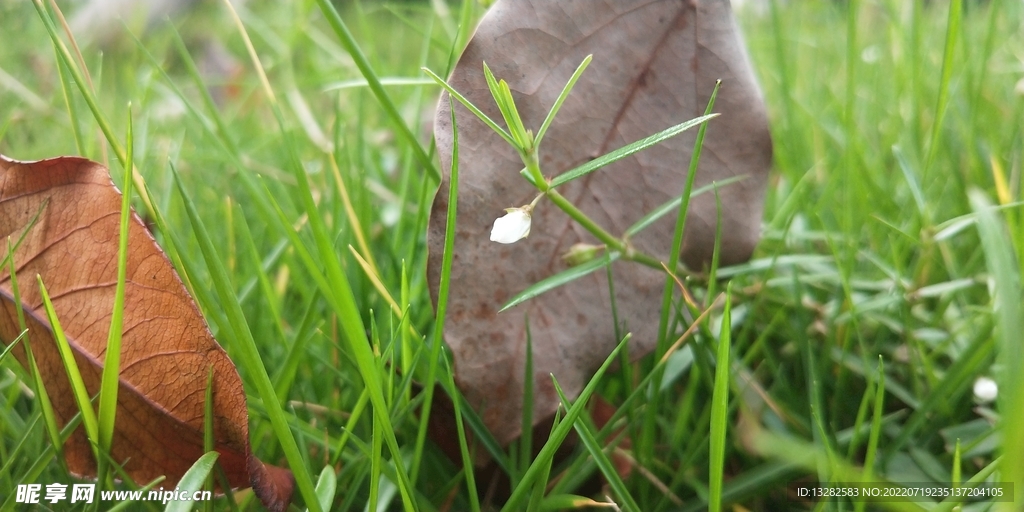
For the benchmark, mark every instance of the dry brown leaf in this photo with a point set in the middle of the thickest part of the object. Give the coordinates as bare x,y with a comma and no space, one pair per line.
167,349
655,65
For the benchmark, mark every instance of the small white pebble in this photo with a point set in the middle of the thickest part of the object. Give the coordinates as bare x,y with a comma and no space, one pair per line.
985,390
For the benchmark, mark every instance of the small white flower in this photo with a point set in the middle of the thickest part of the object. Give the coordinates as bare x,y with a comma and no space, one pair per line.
513,226
985,390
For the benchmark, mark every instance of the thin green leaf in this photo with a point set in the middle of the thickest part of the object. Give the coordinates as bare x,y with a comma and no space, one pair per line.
110,380
192,481
326,488
1002,267
720,407
561,99
674,203
12,344
472,108
942,102
67,356
349,43
561,278
247,350
604,463
442,293
547,453
627,150
467,458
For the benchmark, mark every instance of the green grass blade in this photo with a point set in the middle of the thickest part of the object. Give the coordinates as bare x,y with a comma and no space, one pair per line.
192,481
110,380
645,444
350,45
720,407
674,203
67,356
547,453
566,276
45,404
442,296
12,344
583,428
942,102
1002,267
537,499
472,108
628,150
326,488
247,350
467,459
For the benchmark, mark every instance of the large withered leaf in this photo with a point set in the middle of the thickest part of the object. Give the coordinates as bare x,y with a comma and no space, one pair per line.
167,349
655,65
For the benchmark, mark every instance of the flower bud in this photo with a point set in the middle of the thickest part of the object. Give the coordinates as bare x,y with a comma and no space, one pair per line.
581,253
513,226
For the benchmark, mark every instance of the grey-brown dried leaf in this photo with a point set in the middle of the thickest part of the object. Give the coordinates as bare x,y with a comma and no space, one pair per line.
655,65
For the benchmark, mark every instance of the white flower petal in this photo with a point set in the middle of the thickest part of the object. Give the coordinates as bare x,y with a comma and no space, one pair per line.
985,390
512,227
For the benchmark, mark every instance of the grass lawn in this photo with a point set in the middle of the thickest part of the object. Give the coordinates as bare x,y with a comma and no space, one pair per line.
887,280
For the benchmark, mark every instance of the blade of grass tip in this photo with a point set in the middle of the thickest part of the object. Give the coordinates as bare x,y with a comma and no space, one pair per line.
645,442
979,478
248,351
547,452
604,463
193,480
110,380
12,344
876,420
566,276
677,237
630,149
1002,269
942,102
467,459
350,45
519,130
471,107
78,389
720,408
874,434
326,487
442,296
561,99
499,99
